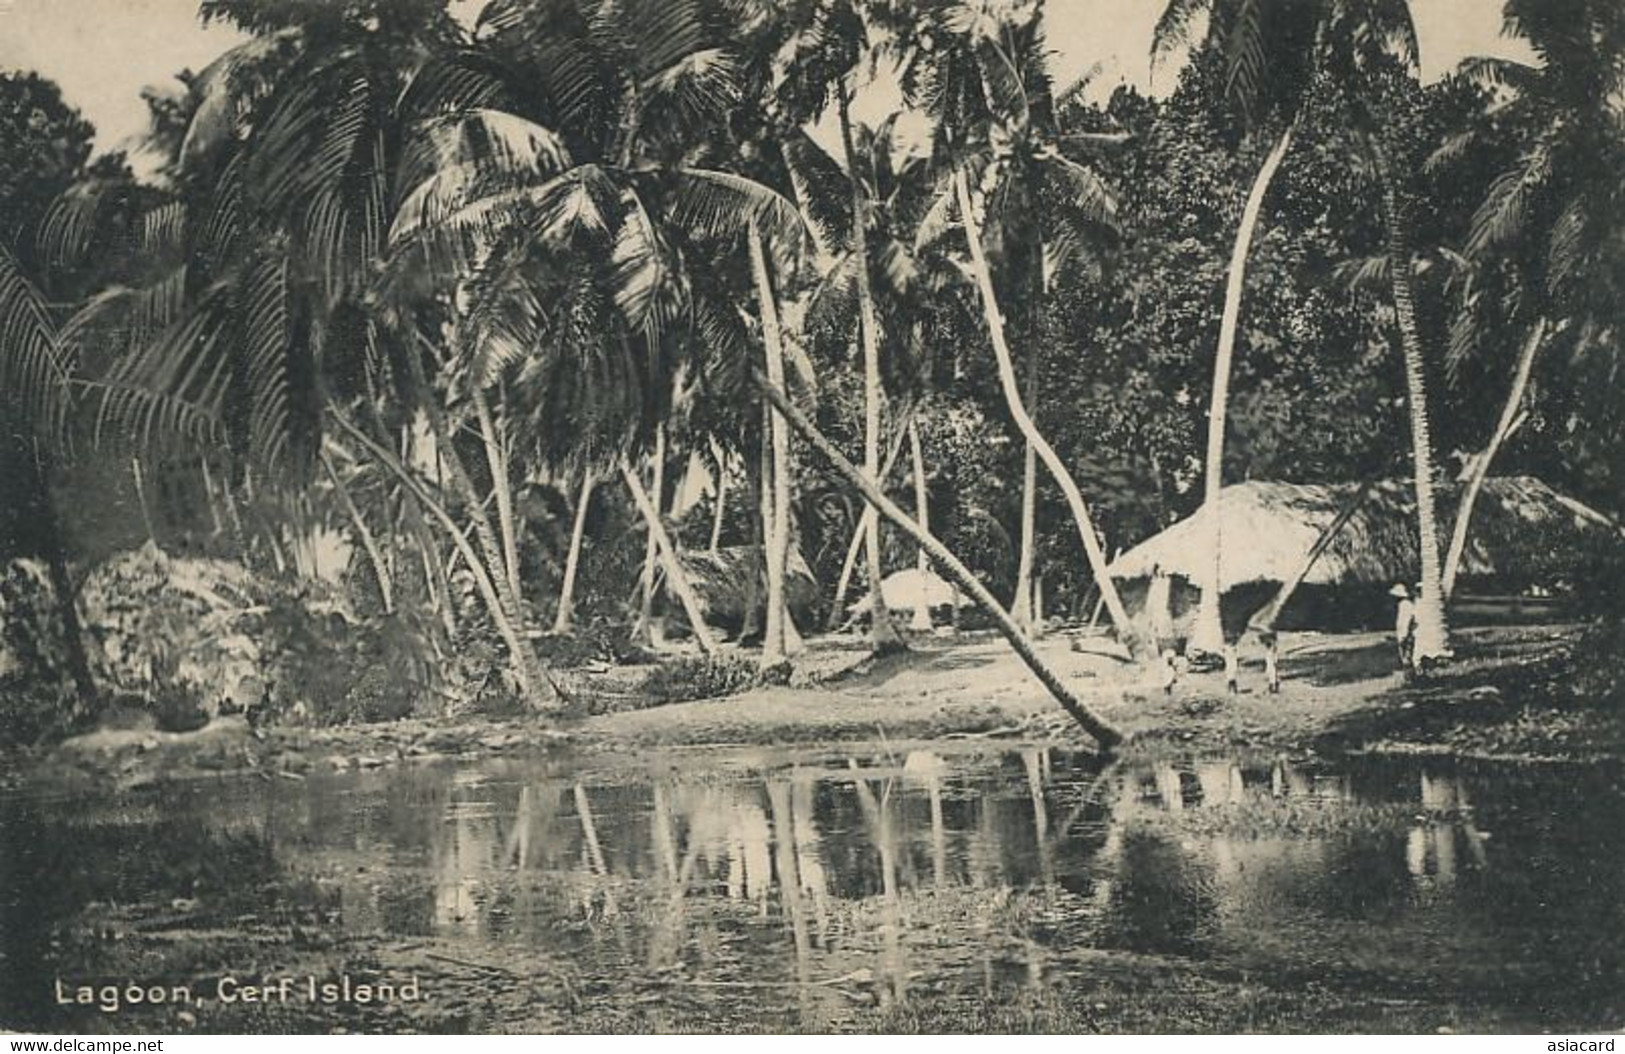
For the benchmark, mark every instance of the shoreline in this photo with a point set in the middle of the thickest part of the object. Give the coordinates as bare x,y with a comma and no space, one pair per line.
1500,700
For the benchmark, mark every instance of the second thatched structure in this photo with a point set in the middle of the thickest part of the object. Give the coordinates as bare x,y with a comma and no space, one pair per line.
1525,538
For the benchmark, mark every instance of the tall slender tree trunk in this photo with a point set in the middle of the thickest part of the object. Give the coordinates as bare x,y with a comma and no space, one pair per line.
526,670
1480,468
643,632
1207,632
855,547
922,611
775,641
1432,632
1012,395
364,535
572,561
1103,732
721,508
56,565
502,487
527,673
1021,605
676,577
883,635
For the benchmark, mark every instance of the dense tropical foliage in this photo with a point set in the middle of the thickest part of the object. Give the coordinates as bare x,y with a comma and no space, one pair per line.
522,341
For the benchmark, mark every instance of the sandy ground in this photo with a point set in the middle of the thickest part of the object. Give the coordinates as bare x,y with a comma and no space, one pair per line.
1344,688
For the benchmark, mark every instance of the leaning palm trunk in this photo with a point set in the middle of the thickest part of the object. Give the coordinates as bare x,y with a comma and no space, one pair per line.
676,577
1012,397
502,487
572,561
364,535
775,640
1207,633
1432,632
1103,732
1265,618
1480,469
883,634
521,660
838,607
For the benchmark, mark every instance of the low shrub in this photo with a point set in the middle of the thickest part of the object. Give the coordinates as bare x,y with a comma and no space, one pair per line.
700,677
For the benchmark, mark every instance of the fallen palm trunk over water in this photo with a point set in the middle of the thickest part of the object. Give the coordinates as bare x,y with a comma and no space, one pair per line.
1105,734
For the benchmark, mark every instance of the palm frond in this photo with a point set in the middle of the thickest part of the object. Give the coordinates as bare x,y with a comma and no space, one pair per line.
722,205
33,377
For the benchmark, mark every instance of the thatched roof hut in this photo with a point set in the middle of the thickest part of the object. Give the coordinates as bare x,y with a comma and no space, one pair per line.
907,590
1523,532
721,581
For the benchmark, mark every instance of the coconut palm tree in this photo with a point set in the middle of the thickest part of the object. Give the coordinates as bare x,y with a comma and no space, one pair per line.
980,74
1543,243
1272,52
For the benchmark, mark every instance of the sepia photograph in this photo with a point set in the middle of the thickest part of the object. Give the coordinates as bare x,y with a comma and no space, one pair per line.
792,517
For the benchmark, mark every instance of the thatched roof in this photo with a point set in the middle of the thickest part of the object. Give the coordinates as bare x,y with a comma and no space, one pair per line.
1519,525
909,589
720,580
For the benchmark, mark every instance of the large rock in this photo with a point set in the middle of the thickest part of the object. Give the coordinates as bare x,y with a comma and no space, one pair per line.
181,634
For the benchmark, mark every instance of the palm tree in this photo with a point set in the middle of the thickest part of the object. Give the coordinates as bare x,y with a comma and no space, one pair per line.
989,94
35,379
1272,51
1543,242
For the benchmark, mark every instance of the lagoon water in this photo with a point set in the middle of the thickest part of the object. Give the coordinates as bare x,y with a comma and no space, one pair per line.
835,888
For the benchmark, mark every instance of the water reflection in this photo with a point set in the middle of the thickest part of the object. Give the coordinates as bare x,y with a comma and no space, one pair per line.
788,885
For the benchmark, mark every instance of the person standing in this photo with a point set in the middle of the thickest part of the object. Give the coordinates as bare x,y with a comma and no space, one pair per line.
1404,624
1272,668
1159,608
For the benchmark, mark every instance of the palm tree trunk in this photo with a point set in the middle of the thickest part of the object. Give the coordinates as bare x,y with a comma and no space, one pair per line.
364,535
1264,619
1207,632
532,682
883,635
56,563
1021,605
922,612
676,577
644,631
502,487
1432,631
774,642
572,562
1052,461
721,497
862,531
1481,464
463,486
1103,732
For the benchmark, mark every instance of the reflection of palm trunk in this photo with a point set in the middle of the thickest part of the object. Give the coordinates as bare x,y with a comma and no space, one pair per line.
595,850
784,856
893,967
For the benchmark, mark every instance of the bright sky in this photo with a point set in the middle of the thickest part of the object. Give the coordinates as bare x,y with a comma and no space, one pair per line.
103,52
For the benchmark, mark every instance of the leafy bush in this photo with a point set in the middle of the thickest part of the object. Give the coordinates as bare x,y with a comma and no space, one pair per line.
700,677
